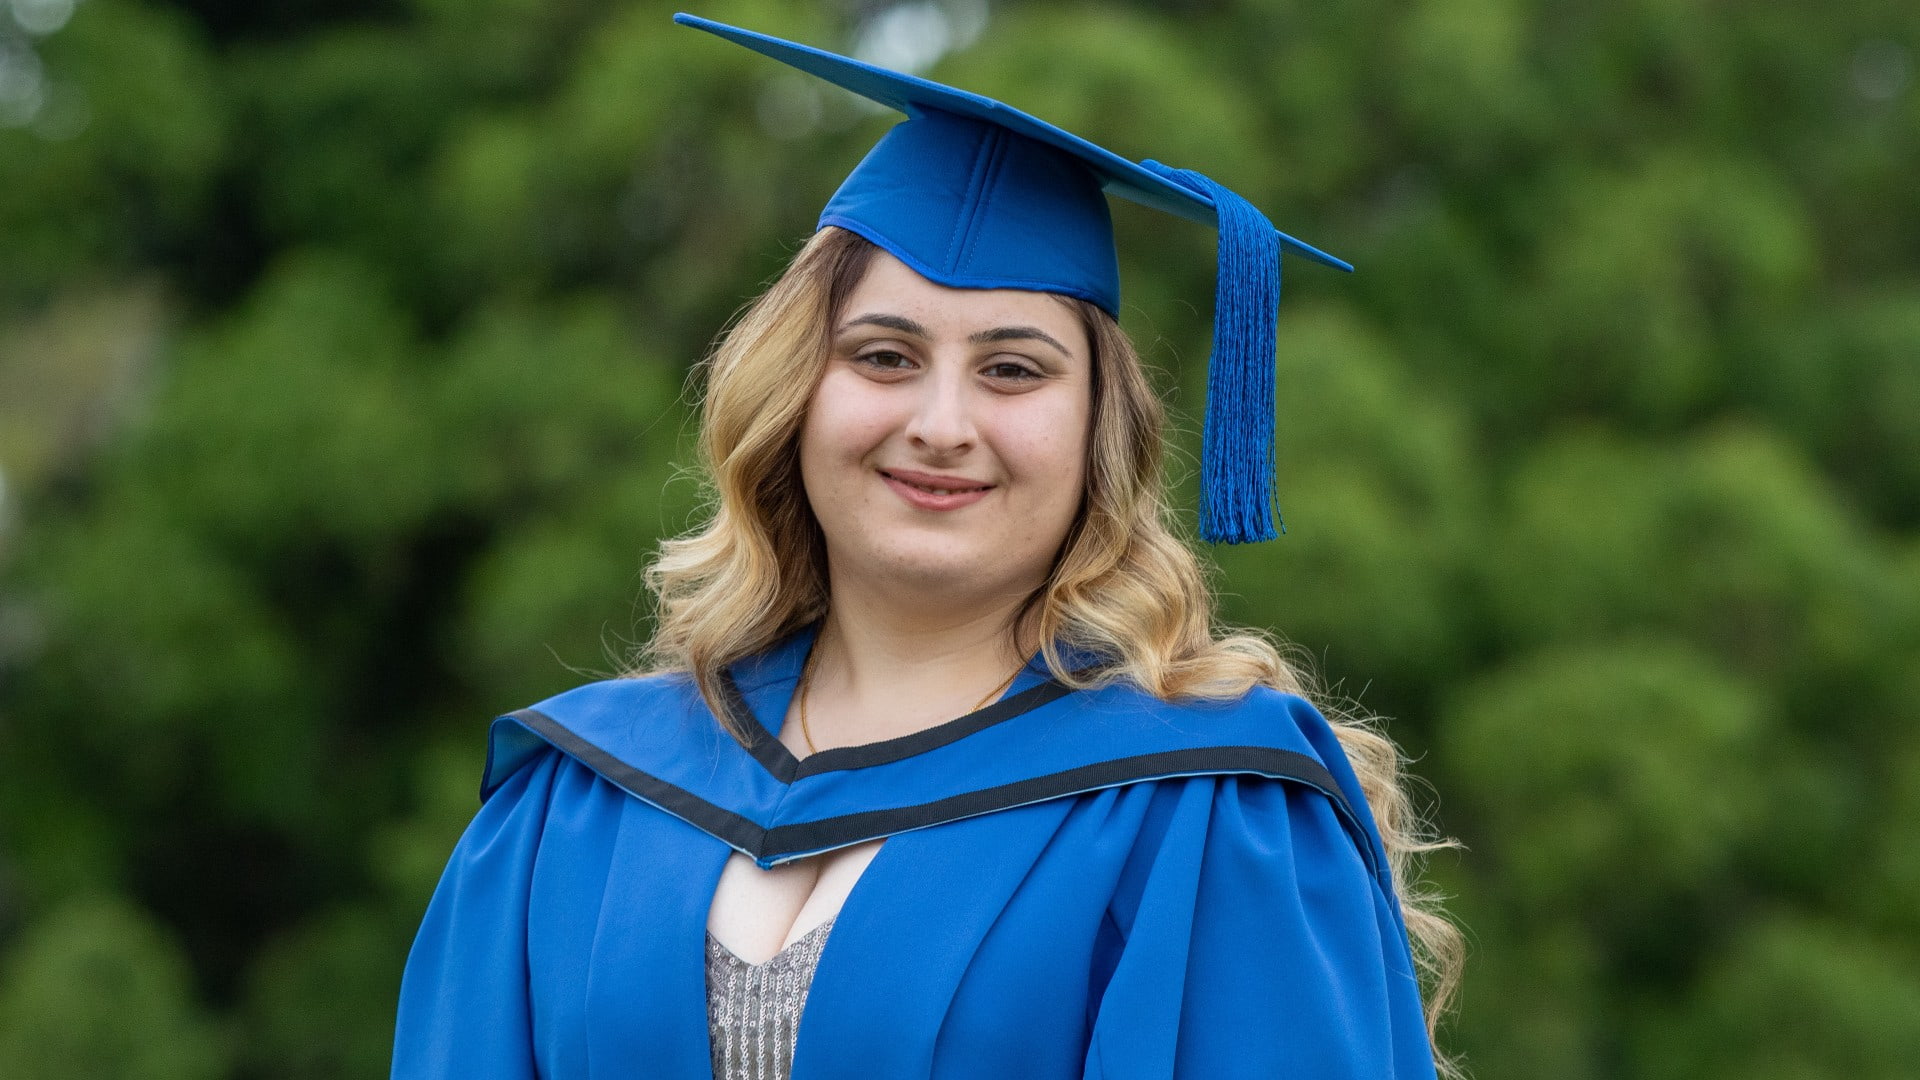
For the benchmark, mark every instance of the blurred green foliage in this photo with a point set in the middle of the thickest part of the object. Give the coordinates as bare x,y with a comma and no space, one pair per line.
343,351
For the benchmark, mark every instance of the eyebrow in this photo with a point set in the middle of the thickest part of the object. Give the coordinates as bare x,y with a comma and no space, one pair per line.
984,337
1017,333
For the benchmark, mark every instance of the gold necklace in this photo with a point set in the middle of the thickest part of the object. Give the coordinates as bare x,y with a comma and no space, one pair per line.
806,683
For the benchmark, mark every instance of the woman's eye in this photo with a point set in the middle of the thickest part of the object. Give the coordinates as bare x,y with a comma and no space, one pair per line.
1007,369
885,359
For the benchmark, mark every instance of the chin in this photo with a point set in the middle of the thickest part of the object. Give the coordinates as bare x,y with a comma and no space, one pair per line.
935,563
932,563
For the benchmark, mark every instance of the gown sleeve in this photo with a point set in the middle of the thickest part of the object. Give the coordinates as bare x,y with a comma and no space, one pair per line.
1257,943
464,1008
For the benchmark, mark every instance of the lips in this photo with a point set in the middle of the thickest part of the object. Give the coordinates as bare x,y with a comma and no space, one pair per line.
939,485
931,491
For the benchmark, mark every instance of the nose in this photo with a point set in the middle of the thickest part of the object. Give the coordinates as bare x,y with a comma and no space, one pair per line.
942,421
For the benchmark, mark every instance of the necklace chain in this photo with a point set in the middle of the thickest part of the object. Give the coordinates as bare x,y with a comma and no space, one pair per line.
806,683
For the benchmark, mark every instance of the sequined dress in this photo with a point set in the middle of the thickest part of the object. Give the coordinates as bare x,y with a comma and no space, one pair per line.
753,1010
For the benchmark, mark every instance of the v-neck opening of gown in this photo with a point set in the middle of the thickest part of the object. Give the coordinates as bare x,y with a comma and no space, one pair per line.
777,759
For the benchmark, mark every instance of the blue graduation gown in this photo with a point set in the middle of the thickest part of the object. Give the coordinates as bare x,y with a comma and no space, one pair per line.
1075,884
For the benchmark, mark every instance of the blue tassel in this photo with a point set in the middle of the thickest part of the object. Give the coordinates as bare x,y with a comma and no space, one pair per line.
1236,445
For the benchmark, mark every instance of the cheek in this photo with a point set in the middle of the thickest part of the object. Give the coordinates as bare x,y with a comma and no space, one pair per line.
816,447
842,426
1051,456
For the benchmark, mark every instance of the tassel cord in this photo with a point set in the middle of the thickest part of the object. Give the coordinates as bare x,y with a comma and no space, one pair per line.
1237,503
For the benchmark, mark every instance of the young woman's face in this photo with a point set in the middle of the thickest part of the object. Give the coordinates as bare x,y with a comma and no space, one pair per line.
945,446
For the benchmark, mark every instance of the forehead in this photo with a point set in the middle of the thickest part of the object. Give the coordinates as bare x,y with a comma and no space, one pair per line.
891,287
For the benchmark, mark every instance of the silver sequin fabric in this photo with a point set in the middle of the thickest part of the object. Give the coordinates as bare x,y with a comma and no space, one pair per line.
753,1010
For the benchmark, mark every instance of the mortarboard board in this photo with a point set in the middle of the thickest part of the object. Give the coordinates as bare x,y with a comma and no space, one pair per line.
973,193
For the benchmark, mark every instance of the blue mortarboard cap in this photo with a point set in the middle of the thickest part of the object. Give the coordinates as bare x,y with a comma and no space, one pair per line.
972,193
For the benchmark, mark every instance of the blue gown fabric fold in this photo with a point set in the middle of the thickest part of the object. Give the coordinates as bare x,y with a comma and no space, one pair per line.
1086,884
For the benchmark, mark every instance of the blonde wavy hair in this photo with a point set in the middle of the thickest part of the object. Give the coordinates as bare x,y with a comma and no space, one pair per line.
1124,586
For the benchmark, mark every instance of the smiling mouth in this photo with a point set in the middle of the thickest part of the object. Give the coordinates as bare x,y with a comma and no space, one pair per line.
934,486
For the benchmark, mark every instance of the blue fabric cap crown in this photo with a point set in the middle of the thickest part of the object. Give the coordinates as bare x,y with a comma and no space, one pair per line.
975,194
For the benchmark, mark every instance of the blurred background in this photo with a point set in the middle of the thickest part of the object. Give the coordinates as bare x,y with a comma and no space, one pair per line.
343,354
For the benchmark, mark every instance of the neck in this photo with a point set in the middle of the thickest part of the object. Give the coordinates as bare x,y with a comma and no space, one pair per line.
870,641
914,663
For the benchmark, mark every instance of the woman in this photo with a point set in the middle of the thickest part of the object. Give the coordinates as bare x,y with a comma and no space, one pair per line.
940,751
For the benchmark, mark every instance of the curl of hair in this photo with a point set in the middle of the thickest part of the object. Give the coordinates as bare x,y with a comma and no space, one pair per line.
1124,586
